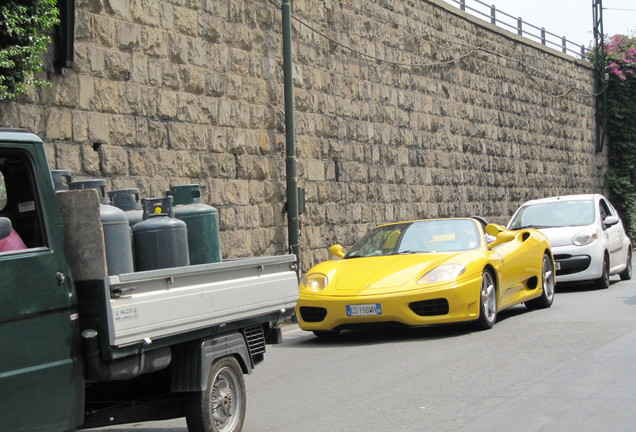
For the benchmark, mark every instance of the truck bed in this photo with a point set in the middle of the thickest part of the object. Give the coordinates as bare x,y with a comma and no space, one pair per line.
144,306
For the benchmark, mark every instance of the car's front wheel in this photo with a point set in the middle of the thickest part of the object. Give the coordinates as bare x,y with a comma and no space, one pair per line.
547,280
327,334
487,302
604,281
627,273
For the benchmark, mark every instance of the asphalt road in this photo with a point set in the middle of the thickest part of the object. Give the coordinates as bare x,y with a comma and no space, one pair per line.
567,368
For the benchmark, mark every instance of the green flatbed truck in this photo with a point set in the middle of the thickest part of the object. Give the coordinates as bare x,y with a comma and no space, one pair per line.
81,348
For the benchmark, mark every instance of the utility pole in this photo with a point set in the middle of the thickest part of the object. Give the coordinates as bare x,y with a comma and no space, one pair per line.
293,223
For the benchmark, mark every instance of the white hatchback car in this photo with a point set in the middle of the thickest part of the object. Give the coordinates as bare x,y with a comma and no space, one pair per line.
587,236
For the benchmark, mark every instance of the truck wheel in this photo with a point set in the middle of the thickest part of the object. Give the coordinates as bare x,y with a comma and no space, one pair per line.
220,407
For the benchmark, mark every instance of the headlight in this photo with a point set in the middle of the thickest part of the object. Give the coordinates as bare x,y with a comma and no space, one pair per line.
442,273
313,282
585,237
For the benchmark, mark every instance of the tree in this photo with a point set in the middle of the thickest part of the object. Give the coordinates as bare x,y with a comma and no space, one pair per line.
621,126
23,40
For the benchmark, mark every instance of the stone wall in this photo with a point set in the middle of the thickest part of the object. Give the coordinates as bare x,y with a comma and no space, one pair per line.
404,109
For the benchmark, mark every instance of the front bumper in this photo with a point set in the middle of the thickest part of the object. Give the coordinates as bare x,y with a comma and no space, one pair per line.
428,305
578,263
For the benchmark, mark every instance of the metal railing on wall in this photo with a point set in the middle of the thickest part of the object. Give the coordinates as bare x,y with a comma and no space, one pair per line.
522,28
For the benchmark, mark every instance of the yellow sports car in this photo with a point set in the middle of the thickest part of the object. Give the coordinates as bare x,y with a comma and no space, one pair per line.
427,272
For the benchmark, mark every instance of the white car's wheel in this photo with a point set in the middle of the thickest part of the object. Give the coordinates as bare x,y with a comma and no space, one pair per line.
604,281
487,302
627,273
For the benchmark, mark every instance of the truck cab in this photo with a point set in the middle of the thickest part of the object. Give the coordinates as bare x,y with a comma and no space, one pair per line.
41,369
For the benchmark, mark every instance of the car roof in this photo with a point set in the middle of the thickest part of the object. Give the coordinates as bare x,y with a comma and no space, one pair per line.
579,197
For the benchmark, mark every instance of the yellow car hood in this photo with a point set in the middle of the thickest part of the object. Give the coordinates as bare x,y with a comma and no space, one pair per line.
384,273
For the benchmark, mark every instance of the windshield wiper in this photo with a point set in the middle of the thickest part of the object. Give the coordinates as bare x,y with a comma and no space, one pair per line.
533,226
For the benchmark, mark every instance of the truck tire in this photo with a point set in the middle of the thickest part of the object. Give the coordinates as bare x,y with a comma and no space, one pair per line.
220,407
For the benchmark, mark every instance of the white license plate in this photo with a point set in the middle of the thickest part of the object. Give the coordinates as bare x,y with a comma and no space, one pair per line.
557,265
364,309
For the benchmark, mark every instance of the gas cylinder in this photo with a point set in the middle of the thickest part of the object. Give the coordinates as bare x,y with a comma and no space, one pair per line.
161,240
61,179
128,201
204,241
119,255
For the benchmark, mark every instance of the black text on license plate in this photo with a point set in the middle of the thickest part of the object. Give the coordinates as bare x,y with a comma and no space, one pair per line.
364,309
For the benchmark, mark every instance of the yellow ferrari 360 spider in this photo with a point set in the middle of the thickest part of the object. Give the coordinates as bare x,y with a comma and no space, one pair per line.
427,272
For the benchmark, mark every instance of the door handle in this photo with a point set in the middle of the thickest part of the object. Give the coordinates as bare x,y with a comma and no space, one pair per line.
61,277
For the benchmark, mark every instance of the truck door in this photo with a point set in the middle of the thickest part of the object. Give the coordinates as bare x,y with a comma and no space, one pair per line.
41,386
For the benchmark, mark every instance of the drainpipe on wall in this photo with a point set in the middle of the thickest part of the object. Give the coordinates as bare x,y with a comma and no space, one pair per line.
65,35
293,223
600,73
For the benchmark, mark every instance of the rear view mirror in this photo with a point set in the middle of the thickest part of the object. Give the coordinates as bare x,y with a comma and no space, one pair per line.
500,234
611,220
337,250
5,227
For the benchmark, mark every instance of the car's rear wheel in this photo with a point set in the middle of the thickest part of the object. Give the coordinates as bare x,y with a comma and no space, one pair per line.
627,273
603,282
487,302
547,280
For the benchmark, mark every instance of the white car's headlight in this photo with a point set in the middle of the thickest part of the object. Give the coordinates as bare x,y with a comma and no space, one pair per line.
585,237
313,282
442,273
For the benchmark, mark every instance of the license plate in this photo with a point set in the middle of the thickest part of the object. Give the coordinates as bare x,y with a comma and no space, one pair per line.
364,309
557,266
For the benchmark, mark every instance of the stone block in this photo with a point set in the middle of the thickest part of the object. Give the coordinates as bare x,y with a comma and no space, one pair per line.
114,161
98,128
59,124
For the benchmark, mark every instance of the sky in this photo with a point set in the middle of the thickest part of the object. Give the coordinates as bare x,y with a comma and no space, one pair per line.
569,18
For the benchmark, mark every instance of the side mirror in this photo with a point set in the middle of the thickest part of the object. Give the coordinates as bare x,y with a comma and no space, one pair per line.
337,250
5,227
611,220
500,234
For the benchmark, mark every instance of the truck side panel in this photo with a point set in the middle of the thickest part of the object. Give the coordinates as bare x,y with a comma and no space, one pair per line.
153,304
41,384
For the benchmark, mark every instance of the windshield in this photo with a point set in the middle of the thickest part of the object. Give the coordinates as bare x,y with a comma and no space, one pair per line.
554,214
418,237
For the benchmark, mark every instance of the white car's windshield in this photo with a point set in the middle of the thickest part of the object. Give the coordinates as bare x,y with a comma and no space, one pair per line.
554,214
418,237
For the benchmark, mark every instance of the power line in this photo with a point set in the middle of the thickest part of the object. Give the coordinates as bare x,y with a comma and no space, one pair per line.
471,50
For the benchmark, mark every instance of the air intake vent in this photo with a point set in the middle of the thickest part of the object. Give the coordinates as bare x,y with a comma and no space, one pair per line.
312,314
430,307
255,340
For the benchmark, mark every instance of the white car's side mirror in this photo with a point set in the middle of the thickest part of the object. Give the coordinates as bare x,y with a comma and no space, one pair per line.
611,220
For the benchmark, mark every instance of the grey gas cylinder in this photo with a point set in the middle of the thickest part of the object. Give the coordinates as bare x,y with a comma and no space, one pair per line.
119,254
204,241
128,201
161,240
61,179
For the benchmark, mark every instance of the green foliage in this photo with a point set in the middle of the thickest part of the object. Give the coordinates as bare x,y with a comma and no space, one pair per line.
621,127
23,40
